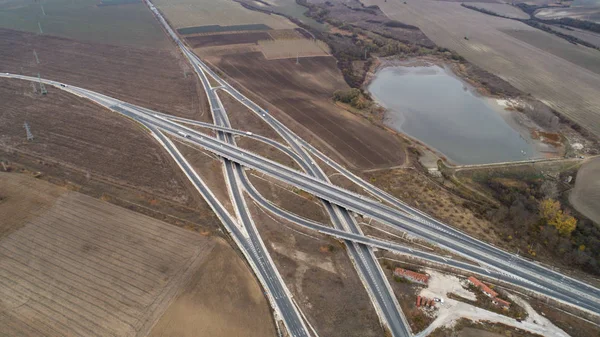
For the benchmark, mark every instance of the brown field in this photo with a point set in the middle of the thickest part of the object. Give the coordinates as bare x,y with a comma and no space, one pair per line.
226,39
321,277
585,197
210,168
289,198
584,57
286,34
223,299
590,37
77,133
303,92
242,118
292,48
77,266
564,86
153,78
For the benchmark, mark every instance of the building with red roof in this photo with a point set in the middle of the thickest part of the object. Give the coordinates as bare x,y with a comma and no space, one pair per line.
501,303
486,290
411,276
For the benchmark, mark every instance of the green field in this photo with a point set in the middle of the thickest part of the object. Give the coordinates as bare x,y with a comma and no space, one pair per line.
123,24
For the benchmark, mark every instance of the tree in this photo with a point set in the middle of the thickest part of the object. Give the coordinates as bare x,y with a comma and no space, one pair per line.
548,209
564,223
551,213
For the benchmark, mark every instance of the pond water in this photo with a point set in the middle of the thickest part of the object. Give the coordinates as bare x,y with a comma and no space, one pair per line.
432,105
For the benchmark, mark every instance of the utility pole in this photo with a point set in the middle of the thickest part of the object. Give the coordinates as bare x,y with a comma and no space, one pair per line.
40,27
43,11
297,57
36,57
28,131
42,87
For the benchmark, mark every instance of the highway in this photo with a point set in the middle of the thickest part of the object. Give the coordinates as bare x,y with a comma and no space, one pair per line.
303,181
493,262
500,258
362,256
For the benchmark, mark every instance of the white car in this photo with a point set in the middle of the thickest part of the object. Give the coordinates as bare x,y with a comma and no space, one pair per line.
440,300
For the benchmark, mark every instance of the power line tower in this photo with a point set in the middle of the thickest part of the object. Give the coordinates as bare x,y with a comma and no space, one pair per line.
28,131
42,87
36,57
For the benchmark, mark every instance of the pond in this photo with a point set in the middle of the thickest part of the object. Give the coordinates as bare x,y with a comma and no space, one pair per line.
433,106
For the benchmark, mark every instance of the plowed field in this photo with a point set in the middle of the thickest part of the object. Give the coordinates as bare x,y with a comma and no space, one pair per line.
154,78
303,92
77,266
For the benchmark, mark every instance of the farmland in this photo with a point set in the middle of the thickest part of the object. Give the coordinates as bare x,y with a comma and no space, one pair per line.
156,79
564,86
303,92
580,13
80,266
123,24
194,13
222,299
75,131
502,9
580,55
225,39
585,197
280,49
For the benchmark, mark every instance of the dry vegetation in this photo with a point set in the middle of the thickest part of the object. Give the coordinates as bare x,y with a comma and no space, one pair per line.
418,190
468,328
566,87
222,299
289,198
406,292
532,213
158,79
321,277
80,266
210,168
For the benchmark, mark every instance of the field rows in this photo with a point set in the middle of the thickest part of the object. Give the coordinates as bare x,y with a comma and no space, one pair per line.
87,268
